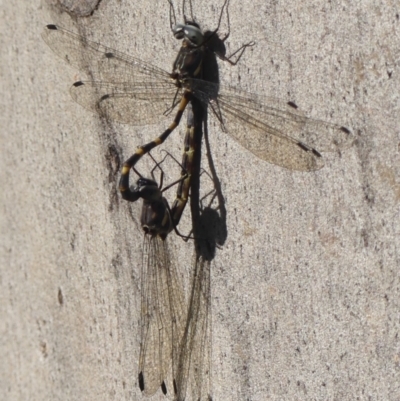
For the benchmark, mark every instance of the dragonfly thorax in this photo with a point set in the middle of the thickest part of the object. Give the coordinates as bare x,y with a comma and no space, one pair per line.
147,189
155,219
188,63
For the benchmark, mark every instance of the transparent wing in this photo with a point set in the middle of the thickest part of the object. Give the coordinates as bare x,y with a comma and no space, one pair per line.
129,103
274,130
193,372
136,92
163,312
103,63
124,88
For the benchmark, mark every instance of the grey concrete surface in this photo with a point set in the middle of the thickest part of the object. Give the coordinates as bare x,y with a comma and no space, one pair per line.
305,290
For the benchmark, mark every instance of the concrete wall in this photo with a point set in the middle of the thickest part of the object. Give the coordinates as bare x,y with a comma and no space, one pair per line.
305,290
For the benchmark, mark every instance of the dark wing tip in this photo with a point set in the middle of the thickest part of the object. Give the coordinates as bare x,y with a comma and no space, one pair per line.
164,388
52,27
78,83
308,149
141,381
303,146
316,153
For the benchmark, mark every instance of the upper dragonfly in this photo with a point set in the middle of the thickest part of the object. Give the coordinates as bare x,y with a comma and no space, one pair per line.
128,90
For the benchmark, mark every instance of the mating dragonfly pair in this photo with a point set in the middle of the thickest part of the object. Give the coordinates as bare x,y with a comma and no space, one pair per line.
128,90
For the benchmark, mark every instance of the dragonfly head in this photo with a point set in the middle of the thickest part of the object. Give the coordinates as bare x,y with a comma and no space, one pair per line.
147,189
190,32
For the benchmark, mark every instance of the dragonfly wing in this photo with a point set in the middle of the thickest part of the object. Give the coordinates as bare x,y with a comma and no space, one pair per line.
274,130
129,103
155,351
103,63
193,372
265,141
201,355
162,315
287,118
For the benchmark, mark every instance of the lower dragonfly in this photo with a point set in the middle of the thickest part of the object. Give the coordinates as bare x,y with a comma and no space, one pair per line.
175,336
163,307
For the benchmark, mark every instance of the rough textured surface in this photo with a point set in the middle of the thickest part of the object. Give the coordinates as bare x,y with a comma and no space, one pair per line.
305,291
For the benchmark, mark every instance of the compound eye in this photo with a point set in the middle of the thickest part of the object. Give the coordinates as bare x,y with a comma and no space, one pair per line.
193,34
178,31
190,33
145,182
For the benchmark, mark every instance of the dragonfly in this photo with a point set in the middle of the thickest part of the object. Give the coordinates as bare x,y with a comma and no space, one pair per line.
129,90
175,335
163,307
